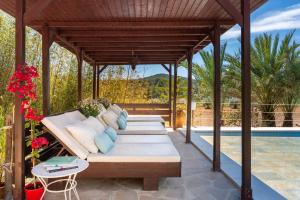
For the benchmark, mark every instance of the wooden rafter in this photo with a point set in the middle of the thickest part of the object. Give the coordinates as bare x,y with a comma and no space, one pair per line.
132,24
231,10
165,67
133,33
135,39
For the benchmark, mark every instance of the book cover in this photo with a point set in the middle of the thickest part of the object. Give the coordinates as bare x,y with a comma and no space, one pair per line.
63,161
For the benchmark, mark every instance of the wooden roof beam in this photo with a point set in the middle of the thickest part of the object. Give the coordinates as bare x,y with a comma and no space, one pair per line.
36,9
124,53
132,24
133,44
134,33
135,39
75,49
128,62
150,45
134,49
231,10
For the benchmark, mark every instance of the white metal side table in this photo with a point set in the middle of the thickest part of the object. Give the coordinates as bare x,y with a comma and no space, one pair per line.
68,177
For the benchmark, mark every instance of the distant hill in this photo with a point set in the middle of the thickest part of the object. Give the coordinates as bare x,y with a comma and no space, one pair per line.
164,77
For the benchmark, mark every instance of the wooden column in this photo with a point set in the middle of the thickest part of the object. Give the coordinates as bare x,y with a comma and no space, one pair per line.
189,97
175,96
217,98
94,80
170,94
19,135
46,43
246,192
97,81
79,75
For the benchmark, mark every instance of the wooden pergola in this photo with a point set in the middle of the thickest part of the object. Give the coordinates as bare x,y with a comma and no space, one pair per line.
119,32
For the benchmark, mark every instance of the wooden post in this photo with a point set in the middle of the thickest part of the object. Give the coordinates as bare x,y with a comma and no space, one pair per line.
189,97
170,94
175,96
94,80
97,81
19,178
9,157
46,43
79,75
246,192
217,98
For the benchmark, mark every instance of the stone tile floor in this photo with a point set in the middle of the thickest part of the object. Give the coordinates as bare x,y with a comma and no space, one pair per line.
275,161
197,182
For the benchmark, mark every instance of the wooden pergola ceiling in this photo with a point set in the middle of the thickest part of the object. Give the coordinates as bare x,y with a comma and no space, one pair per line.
120,31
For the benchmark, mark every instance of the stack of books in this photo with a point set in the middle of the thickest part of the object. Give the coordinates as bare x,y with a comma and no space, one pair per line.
61,163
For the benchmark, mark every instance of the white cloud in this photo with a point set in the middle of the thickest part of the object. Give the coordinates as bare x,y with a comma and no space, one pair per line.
286,19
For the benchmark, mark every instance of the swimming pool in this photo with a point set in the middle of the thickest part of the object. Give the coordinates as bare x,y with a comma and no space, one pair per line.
275,156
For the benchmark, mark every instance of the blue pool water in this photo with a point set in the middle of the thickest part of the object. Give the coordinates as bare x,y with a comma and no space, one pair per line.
255,133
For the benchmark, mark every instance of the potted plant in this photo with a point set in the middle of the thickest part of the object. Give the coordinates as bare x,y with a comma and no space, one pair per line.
22,84
180,115
90,107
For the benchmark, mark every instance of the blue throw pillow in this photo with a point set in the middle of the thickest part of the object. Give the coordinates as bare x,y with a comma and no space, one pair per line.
124,113
103,142
111,133
122,122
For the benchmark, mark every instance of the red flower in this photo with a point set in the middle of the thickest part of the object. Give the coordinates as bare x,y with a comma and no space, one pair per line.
39,142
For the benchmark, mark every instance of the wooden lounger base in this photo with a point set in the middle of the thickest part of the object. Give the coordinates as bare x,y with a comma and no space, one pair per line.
149,172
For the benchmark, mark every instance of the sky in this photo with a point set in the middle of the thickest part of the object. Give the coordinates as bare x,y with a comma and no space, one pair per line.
275,16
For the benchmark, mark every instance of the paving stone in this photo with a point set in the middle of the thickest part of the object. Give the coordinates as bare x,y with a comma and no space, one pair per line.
125,195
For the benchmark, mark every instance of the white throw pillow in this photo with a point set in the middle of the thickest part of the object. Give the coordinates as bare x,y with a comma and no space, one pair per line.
94,123
84,135
110,119
116,109
100,119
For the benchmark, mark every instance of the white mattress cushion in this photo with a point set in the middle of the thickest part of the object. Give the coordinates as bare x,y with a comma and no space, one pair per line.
110,119
138,153
74,115
56,124
146,124
85,135
94,123
143,128
163,139
133,118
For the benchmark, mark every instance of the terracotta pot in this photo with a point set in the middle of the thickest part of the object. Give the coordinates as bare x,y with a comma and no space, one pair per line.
34,194
2,190
180,118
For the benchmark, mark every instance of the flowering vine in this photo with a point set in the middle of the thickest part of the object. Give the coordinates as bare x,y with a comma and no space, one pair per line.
22,84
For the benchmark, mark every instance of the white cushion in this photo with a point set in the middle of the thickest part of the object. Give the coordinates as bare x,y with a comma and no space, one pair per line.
100,119
110,119
74,115
56,124
145,118
138,153
94,123
84,135
143,128
163,139
116,109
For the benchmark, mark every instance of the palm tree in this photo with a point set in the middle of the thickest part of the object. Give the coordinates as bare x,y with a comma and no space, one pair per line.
290,82
267,64
204,74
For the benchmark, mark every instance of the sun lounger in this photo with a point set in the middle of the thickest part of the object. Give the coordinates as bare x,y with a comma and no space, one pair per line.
143,128
134,156
145,118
